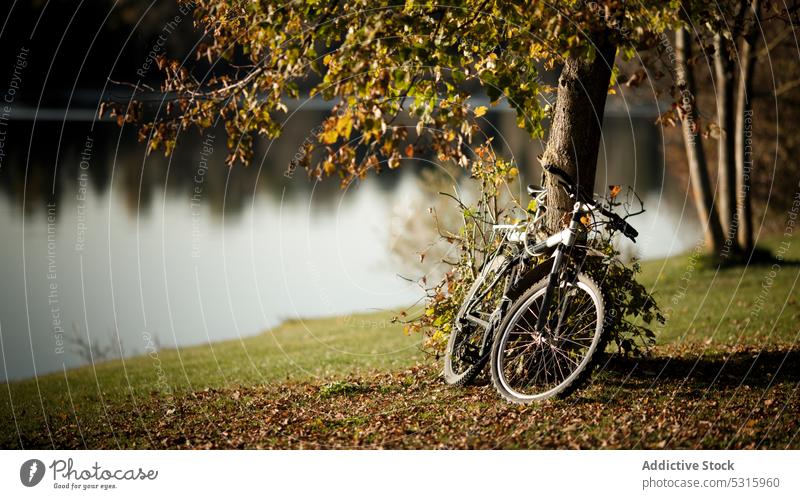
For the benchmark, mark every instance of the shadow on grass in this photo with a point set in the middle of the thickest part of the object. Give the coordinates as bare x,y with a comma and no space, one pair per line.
729,370
759,257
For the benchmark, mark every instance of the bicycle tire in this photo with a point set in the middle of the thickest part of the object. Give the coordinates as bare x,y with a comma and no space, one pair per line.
579,375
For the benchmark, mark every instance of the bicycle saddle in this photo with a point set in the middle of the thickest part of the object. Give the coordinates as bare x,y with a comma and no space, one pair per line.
567,182
561,176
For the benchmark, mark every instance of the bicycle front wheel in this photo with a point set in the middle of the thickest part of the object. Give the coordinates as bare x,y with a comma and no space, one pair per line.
528,364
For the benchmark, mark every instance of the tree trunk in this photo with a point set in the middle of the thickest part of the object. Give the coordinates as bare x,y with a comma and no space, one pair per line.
576,129
726,166
744,124
695,156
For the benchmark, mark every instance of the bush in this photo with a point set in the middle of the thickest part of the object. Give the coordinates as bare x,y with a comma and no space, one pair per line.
630,308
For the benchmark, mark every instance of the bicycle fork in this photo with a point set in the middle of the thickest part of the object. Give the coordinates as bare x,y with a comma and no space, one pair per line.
568,239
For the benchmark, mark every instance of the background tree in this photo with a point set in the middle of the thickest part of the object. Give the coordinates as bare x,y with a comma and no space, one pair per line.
727,33
743,124
695,154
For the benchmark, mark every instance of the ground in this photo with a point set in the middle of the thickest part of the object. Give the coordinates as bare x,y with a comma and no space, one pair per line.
725,374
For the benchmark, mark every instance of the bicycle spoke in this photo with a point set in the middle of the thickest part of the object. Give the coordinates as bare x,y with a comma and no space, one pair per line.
563,355
580,345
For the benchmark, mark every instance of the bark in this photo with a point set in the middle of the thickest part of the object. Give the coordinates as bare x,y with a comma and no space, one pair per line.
695,155
576,128
726,146
744,121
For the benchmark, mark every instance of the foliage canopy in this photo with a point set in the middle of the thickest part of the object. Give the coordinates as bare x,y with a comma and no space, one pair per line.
382,63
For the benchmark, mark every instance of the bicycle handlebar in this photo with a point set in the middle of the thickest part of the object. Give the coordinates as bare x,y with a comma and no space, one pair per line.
569,185
618,223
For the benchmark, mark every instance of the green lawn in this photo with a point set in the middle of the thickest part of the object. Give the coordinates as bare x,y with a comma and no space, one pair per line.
353,371
296,350
714,305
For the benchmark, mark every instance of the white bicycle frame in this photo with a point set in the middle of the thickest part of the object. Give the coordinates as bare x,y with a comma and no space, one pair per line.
518,233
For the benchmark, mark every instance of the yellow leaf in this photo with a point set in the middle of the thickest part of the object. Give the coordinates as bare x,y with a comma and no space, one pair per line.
613,190
344,125
480,111
329,136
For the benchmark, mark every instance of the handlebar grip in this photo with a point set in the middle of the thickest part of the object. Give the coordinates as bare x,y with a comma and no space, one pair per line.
629,231
621,225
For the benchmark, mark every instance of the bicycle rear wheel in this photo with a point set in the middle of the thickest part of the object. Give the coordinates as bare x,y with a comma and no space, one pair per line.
529,365
462,359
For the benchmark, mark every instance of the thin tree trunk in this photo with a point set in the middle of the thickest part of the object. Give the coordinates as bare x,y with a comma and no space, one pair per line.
726,165
576,129
695,155
744,122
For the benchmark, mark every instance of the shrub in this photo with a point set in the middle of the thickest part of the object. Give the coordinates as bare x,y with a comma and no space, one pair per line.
630,308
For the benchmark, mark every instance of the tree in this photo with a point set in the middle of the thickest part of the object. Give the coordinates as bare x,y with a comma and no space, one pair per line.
743,132
695,155
732,28
384,64
726,168
577,122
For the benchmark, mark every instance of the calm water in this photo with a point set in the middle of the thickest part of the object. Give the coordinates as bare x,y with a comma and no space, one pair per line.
102,244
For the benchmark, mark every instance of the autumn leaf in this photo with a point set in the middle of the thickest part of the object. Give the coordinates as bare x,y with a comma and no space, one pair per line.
329,136
394,160
480,111
613,190
714,131
669,117
638,77
344,125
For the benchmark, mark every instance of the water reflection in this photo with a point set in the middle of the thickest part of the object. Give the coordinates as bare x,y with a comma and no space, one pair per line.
105,243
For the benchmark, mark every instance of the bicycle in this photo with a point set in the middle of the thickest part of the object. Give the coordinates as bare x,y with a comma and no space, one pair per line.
536,309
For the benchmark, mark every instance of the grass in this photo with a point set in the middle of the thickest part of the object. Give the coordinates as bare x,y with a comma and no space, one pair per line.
755,303
296,350
725,374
